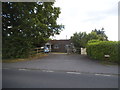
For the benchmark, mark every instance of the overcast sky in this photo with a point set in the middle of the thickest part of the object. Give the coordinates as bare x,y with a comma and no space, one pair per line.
86,15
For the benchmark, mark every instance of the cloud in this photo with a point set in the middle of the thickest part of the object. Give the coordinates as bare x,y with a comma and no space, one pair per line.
86,15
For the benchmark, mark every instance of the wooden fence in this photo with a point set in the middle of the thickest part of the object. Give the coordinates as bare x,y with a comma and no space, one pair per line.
37,50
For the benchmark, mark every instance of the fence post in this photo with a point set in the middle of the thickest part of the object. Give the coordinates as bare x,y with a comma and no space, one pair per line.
37,50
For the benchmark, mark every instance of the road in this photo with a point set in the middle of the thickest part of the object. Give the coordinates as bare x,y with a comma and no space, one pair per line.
60,71
23,78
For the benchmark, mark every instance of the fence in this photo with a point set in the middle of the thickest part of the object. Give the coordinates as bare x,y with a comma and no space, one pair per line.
37,50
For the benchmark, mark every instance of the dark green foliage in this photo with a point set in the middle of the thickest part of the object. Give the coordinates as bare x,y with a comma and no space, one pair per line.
80,39
98,49
98,34
17,49
27,24
101,34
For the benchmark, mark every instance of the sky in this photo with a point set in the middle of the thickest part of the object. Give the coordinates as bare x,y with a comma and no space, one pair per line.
87,15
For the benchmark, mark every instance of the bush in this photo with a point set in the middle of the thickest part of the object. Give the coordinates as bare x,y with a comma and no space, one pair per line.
15,48
93,41
98,49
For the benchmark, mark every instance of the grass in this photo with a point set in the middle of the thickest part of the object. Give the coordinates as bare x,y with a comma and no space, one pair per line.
32,57
58,53
103,62
108,63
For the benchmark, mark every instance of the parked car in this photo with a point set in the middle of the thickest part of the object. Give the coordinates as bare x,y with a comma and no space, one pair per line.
46,50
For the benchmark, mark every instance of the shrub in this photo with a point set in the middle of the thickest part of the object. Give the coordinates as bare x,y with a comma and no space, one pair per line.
93,40
97,50
15,48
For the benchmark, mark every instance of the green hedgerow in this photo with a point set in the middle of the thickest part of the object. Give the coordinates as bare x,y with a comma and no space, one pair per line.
98,50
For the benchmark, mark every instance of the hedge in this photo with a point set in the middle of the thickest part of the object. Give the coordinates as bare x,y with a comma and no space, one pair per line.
97,50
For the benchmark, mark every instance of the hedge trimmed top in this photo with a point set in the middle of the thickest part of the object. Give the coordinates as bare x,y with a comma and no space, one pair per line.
98,49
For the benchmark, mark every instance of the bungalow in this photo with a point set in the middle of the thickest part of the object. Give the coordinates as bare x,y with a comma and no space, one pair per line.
60,45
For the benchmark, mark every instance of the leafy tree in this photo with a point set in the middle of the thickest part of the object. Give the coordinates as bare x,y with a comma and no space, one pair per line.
27,24
92,35
81,39
101,34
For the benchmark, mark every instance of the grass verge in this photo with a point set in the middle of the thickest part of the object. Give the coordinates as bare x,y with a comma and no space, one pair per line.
108,63
32,57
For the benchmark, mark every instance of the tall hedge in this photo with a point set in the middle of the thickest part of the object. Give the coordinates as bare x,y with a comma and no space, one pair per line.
98,50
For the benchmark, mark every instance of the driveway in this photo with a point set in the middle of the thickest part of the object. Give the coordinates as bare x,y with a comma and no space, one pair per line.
64,62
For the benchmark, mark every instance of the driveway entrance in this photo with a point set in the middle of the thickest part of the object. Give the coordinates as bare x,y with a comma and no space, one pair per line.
64,62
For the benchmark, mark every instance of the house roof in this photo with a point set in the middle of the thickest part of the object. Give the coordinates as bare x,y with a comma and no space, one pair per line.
66,41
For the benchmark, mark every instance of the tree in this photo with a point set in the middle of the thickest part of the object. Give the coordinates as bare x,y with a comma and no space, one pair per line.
81,39
101,34
27,24
92,35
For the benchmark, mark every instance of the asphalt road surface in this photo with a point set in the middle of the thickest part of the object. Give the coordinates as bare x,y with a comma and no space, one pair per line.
60,71
26,78
73,62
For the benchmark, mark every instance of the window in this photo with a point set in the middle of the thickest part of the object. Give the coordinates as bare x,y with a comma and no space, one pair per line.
56,46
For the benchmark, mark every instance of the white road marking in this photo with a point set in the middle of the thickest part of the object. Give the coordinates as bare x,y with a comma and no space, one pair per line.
107,75
73,73
66,72
97,74
23,69
47,71
102,75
